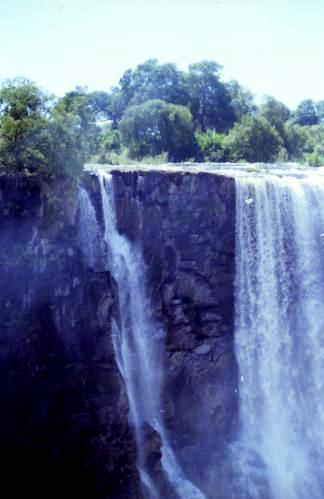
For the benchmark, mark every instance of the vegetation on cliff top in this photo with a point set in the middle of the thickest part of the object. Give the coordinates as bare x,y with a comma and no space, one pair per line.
156,113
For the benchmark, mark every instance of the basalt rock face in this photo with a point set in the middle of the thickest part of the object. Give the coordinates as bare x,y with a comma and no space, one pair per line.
185,224
64,425
64,414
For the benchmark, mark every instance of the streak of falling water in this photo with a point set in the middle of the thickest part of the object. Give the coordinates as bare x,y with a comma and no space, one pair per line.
280,331
139,344
88,227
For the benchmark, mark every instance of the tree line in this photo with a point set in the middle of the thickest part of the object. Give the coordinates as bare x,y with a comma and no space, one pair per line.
156,113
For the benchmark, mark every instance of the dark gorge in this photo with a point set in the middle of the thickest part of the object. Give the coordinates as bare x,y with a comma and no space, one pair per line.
161,334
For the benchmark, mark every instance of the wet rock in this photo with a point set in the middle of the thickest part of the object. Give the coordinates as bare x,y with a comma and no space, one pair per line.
64,416
65,408
152,446
188,240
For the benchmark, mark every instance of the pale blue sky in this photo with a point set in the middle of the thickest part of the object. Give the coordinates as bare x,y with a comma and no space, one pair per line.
272,46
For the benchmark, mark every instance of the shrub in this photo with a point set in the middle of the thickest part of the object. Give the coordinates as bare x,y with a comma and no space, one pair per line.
253,139
212,145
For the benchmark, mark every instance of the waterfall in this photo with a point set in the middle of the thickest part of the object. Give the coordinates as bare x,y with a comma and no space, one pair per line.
139,349
280,331
89,233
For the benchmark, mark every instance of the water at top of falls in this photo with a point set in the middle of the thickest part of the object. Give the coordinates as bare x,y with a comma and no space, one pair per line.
279,333
227,169
139,347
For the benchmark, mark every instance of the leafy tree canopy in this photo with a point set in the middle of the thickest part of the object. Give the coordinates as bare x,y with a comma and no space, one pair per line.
253,139
305,113
152,80
148,81
36,139
80,105
242,99
275,112
319,107
156,110
212,145
295,139
155,127
209,100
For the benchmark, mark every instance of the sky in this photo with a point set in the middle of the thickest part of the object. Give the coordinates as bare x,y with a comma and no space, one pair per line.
274,47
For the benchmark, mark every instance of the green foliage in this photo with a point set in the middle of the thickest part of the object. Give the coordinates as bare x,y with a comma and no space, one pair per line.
319,107
65,154
109,145
275,112
180,138
314,138
21,99
305,113
110,139
282,156
143,128
314,159
209,100
212,145
242,99
156,113
36,139
148,81
200,89
155,160
22,117
254,140
80,106
152,80
156,127
313,147
295,139
99,103
114,158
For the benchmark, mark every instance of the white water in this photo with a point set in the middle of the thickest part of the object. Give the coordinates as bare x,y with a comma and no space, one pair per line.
139,344
88,227
280,330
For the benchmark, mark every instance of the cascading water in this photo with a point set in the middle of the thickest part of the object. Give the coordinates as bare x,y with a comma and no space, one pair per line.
88,227
138,344
280,331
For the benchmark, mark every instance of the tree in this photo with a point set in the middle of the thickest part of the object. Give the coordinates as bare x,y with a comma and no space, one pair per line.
242,99
305,113
212,145
99,103
142,128
20,98
319,106
181,143
109,146
275,112
295,138
209,100
148,81
34,138
22,115
65,154
80,104
253,139
313,145
117,106
155,127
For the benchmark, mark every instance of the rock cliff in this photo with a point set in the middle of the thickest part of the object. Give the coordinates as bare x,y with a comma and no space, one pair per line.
64,426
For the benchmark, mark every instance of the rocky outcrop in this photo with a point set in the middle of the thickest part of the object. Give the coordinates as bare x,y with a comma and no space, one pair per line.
64,427
64,417
185,224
